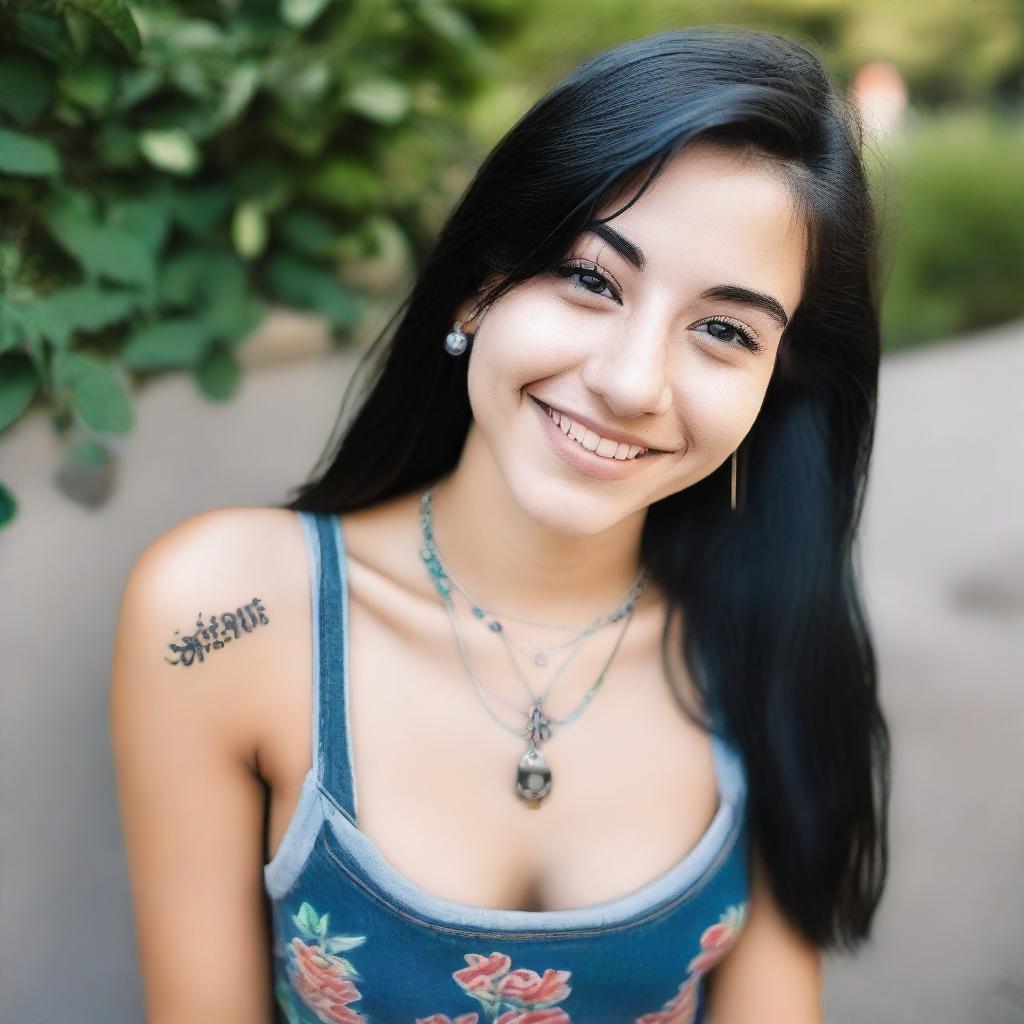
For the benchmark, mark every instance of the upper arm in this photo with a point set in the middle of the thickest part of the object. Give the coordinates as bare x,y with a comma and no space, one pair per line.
190,799
772,975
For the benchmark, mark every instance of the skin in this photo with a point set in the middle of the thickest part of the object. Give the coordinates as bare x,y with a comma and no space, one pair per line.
198,749
645,364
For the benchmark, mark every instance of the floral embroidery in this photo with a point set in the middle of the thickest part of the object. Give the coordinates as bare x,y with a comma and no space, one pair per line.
715,942
324,980
321,978
526,996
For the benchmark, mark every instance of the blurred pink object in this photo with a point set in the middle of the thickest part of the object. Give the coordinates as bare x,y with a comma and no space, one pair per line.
880,94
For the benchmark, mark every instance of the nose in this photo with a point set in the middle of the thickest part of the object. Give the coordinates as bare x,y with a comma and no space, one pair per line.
628,368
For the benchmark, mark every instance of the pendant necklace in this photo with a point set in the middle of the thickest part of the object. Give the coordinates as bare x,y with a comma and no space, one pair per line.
533,777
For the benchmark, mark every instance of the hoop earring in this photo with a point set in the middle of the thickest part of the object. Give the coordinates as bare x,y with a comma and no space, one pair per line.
732,488
456,341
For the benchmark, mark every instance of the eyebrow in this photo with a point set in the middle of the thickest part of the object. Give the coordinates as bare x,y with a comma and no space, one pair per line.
634,255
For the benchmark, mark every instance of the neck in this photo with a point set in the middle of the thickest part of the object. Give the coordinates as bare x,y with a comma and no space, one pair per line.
553,567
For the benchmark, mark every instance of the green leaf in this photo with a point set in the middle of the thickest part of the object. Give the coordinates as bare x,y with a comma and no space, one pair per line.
176,342
307,919
343,943
306,230
90,83
43,33
115,17
148,219
300,13
200,209
100,250
8,506
347,184
448,24
307,286
218,374
199,273
249,230
306,138
26,87
83,307
171,150
23,154
18,385
97,396
137,84
117,146
241,87
379,99
12,330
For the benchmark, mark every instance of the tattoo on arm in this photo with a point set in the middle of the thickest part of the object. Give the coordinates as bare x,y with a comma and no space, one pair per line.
216,633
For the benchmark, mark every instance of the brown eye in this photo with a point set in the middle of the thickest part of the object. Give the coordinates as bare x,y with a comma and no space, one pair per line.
591,280
731,333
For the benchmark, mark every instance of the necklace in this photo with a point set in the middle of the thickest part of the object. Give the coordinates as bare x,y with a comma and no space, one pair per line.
533,774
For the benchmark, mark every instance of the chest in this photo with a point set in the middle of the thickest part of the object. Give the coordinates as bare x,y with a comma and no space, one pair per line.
633,780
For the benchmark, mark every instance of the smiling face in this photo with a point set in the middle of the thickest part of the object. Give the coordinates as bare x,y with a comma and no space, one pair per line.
675,357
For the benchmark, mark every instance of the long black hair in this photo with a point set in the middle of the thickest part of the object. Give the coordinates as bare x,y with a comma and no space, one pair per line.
776,635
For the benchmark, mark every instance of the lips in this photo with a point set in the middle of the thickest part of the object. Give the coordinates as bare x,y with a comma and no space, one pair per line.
647,450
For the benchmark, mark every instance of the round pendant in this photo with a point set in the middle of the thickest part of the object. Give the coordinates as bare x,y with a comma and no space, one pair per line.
533,777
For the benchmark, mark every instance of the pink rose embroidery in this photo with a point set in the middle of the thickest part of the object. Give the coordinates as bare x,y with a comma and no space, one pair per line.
526,996
715,942
554,1015
527,988
321,979
440,1018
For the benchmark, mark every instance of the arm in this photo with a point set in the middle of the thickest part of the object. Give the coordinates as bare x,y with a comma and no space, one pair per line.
772,975
191,802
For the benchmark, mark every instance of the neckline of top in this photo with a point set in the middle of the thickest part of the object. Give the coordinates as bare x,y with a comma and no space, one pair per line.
399,891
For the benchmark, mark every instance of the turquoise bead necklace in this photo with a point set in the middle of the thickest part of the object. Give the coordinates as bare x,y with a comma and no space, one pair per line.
533,775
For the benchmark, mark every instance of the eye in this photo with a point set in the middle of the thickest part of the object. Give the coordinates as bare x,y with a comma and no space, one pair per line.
731,332
591,280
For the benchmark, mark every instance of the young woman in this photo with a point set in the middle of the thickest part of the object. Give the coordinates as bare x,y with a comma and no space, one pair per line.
550,697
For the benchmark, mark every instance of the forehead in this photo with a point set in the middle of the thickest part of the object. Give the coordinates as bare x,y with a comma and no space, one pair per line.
711,216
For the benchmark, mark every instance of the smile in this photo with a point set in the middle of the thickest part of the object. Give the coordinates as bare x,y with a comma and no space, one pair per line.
622,462
603,447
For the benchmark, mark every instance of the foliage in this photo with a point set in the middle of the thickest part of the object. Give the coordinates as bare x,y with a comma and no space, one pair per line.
168,169
950,180
952,196
946,50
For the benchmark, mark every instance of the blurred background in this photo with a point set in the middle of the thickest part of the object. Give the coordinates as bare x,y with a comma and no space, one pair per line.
207,209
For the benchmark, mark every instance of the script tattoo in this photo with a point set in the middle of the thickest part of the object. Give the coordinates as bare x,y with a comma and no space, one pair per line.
213,635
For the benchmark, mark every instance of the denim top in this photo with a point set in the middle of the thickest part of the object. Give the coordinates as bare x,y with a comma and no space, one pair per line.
356,941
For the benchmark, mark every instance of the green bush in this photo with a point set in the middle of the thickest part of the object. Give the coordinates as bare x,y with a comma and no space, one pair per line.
167,170
951,192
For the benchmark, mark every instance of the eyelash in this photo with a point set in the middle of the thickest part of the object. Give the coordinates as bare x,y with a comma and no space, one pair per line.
574,268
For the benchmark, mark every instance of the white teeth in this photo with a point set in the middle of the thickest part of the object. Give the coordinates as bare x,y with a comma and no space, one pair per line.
602,446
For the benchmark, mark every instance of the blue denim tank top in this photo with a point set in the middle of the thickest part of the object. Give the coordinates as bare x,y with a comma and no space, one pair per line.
353,940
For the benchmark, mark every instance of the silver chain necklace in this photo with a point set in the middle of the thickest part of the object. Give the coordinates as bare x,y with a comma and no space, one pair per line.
533,774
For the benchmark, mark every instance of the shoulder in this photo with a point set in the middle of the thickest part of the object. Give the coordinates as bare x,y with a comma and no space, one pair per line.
207,613
225,538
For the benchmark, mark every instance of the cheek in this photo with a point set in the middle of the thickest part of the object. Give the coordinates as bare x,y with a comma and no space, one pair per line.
718,406
524,338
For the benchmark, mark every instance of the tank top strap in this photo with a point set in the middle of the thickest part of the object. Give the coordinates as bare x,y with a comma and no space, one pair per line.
332,753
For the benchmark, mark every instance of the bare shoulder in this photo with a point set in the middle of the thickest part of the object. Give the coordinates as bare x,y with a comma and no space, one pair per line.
213,614
207,610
